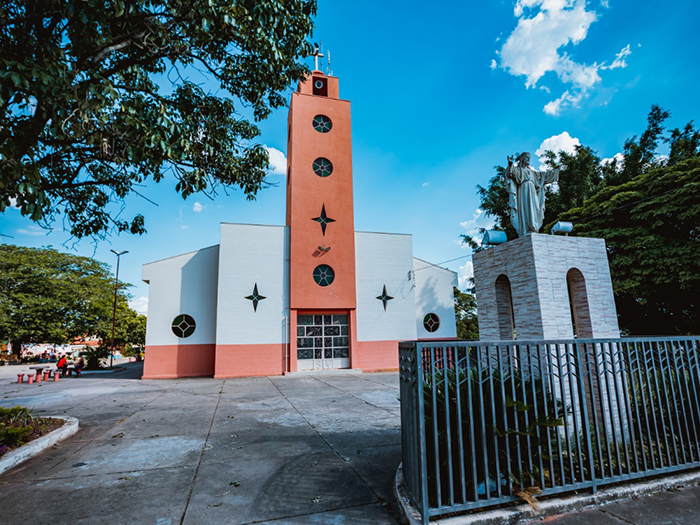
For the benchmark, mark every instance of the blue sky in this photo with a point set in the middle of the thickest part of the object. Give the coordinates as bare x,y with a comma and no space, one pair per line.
439,96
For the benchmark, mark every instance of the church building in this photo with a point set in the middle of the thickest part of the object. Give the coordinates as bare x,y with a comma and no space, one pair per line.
313,294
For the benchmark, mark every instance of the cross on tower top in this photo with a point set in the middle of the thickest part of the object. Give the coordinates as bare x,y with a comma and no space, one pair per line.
316,54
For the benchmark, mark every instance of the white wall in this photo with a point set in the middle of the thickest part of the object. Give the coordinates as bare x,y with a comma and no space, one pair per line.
384,259
434,294
184,284
251,254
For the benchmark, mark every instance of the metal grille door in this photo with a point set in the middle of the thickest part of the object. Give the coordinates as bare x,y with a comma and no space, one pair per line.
323,342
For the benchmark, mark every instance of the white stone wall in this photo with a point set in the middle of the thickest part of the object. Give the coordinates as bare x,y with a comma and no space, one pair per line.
434,294
536,266
251,254
184,284
384,259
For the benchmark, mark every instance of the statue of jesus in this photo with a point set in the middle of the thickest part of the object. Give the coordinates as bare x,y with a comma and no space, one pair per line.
526,194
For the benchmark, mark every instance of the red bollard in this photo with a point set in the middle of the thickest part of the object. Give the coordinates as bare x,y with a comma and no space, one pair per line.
46,375
30,379
20,378
56,373
38,376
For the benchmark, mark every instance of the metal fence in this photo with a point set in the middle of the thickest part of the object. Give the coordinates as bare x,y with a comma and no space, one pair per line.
482,421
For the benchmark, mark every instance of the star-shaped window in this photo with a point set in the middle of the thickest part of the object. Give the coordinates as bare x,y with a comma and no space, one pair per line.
323,219
384,298
255,297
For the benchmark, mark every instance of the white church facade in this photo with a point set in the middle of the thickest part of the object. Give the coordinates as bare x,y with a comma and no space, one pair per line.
312,294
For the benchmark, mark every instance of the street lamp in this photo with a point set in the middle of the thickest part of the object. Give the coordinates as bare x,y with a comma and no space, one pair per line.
114,310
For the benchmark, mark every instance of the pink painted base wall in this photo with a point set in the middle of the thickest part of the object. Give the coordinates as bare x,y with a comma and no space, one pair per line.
377,355
249,360
171,361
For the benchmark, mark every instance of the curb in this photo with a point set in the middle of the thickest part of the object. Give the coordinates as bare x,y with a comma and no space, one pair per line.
97,372
548,507
33,448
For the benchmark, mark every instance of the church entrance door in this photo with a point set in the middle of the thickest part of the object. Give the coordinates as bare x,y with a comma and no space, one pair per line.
323,341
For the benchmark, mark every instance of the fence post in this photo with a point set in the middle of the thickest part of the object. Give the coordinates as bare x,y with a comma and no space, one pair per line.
585,422
424,502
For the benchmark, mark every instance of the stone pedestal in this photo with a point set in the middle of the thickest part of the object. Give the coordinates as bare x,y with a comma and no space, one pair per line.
542,286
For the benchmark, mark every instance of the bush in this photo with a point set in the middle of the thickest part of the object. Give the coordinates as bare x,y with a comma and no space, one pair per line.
17,427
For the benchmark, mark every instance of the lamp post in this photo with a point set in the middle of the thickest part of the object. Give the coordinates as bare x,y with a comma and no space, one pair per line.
114,309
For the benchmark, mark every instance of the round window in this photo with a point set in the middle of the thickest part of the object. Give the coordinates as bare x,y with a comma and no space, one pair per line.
322,124
431,322
324,275
322,167
183,325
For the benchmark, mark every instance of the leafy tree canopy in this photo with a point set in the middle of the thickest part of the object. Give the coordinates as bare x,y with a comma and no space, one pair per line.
83,121
466,316
651,226
48,296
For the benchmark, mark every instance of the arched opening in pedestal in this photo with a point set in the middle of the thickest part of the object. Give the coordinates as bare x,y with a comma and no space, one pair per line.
578,303
504,306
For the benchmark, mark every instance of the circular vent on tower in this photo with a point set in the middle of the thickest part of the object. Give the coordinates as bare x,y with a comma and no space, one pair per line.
322,167
323,275
322,124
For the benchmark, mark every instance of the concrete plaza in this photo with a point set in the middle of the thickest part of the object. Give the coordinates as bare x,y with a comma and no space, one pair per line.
319,448
285,450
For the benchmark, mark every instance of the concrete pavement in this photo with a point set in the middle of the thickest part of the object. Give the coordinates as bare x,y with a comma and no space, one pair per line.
319,448
287,450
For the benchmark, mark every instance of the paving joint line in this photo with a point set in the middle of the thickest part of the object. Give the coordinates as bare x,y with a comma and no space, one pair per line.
201,455
604,511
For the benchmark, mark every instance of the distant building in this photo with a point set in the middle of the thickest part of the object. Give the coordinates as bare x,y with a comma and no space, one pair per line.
313,294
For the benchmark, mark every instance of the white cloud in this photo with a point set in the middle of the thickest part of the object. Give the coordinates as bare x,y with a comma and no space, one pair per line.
567,99
278,162
426,184
541,43
494,64
32,230
619,157
197,207
465,273
13,203
140,304
557,143
620,59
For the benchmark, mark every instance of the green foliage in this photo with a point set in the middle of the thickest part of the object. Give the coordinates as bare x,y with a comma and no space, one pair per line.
580,177
651,226
16,426
640,154
466,316
49,296
83,120
511,413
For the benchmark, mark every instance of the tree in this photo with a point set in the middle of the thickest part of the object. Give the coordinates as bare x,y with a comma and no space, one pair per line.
48,296
580,177
640,154
651,226
466,316
83,121
129,327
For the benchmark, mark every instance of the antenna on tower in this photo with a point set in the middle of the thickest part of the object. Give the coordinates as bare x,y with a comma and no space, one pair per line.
329,71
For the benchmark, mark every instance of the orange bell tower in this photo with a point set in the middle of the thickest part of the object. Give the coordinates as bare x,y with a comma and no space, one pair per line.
322,298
